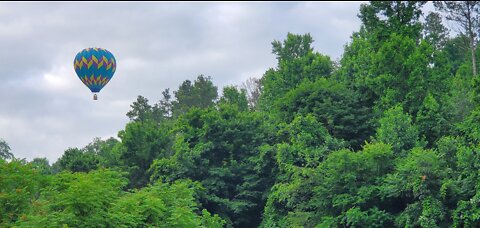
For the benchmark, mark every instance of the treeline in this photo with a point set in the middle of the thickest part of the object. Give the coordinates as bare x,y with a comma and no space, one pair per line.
386,137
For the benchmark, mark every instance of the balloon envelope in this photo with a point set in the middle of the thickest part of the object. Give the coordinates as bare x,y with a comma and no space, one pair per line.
95,67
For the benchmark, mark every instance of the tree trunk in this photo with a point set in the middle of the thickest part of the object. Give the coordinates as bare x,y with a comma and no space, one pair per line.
471,33
474,62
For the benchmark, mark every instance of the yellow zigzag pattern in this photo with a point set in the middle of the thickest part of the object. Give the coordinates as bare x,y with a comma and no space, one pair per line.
94,81
84,61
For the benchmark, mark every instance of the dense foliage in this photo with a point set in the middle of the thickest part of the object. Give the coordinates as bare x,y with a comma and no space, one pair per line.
389,136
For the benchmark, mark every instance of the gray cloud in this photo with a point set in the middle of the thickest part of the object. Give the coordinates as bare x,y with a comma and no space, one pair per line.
45,108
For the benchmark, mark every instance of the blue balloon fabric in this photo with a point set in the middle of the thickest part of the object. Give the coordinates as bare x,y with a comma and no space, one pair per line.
95,67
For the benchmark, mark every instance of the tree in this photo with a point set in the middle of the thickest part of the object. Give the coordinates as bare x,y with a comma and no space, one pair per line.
253,89
467,15
163,109
96,199
434,32
77,160
337,107
141,110
304,142
143,142
205,92
159,112
464,192
341,191
41,165
431,121
396,129
382,18
233,96
106,151
470,128
295,46
302,146
201,94
20,184
462,92
400,72
456,50
219,149
162,205
296,63
76,200
397,69
5,150
356,68
416,185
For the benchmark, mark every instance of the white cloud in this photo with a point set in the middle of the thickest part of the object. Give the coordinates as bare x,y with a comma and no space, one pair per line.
59,78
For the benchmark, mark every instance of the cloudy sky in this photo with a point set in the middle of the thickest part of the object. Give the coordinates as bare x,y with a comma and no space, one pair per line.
45,108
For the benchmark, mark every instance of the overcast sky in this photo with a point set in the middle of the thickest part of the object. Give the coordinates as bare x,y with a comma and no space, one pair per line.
46,109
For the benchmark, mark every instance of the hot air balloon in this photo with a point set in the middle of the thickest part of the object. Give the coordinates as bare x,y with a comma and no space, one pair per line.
95,67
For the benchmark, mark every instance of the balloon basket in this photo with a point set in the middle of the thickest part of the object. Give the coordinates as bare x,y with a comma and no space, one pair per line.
95,97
